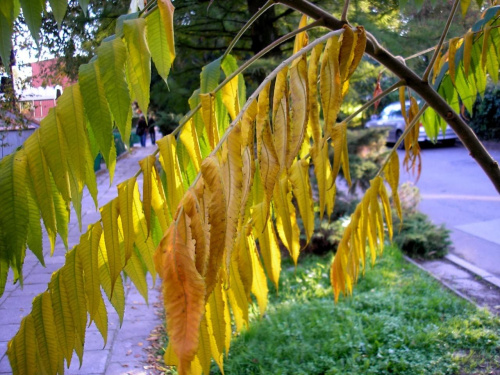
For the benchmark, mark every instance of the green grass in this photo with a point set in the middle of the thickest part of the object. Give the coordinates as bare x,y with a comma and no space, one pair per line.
399,321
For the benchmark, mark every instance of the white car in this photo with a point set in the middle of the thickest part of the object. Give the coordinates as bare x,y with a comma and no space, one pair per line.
392,118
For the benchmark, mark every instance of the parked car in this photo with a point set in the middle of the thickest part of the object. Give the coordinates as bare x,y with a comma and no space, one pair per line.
392,118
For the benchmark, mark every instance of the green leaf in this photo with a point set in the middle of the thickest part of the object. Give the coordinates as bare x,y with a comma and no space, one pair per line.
160,35
112,58
62,214
4,270
464,5
139,60
55,150
126,197
59,10
6,24
45,330
209,76
101,320
32,12
97,110
15,215
205,149
137,273
40,175
65,326
84,4
121,19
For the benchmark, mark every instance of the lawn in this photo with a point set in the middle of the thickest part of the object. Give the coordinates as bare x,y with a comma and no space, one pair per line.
399,321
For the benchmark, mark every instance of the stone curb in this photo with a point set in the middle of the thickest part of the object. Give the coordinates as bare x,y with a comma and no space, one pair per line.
486,276
442,282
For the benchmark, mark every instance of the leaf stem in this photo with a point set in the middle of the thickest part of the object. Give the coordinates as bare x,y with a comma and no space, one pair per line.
425,77
378,97
252,19
401,139
244,66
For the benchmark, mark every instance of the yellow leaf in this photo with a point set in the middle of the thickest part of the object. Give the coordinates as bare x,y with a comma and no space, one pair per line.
116,260
199,230
301,39
208,113
230,97
137,273
147,165
160,34
247,125
340,156
170,164
391,173
259,281
88,252
183,290
22,349
45,331
247,180
464,5
101,320
281,116
346,53
63,320
125,208
299,177
243,260
299,107
159,202
359,50
323,172
210,170
454,43
237,298
312,77
269,166
217,320
330,84
189,138
486,44
286,221
270,251
204,351
468,40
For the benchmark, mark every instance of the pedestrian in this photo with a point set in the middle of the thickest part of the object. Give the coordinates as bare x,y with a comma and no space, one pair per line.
151,127
141,129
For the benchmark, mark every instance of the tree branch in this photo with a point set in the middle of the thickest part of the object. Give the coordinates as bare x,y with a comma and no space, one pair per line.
375,50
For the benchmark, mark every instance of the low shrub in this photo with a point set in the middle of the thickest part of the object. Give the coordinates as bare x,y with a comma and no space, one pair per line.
486,115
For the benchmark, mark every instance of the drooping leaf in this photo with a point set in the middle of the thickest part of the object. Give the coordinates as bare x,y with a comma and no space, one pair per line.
46,334
59,10
170,164
286,221
6,23
270,251
280,118
299,107
112,58
109,217
15,214
23,349
185,289
126,199
139,60
301,187
55,150
301,39
160,36
97,110
453,45
40,175
330,84
63,320
189,138
147,166
210,170
312,77
32,12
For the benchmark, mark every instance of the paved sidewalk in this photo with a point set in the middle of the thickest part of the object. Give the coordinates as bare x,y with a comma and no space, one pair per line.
123,353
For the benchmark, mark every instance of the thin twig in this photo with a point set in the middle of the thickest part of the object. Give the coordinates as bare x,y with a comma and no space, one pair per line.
378,97
402,137
425,77
252,19
344,11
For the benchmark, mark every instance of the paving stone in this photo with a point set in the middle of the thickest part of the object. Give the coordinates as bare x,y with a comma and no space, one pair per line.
3,349
5,366
94,362
8,331
125,369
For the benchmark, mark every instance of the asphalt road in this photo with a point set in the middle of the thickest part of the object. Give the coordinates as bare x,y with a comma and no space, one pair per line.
456,192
